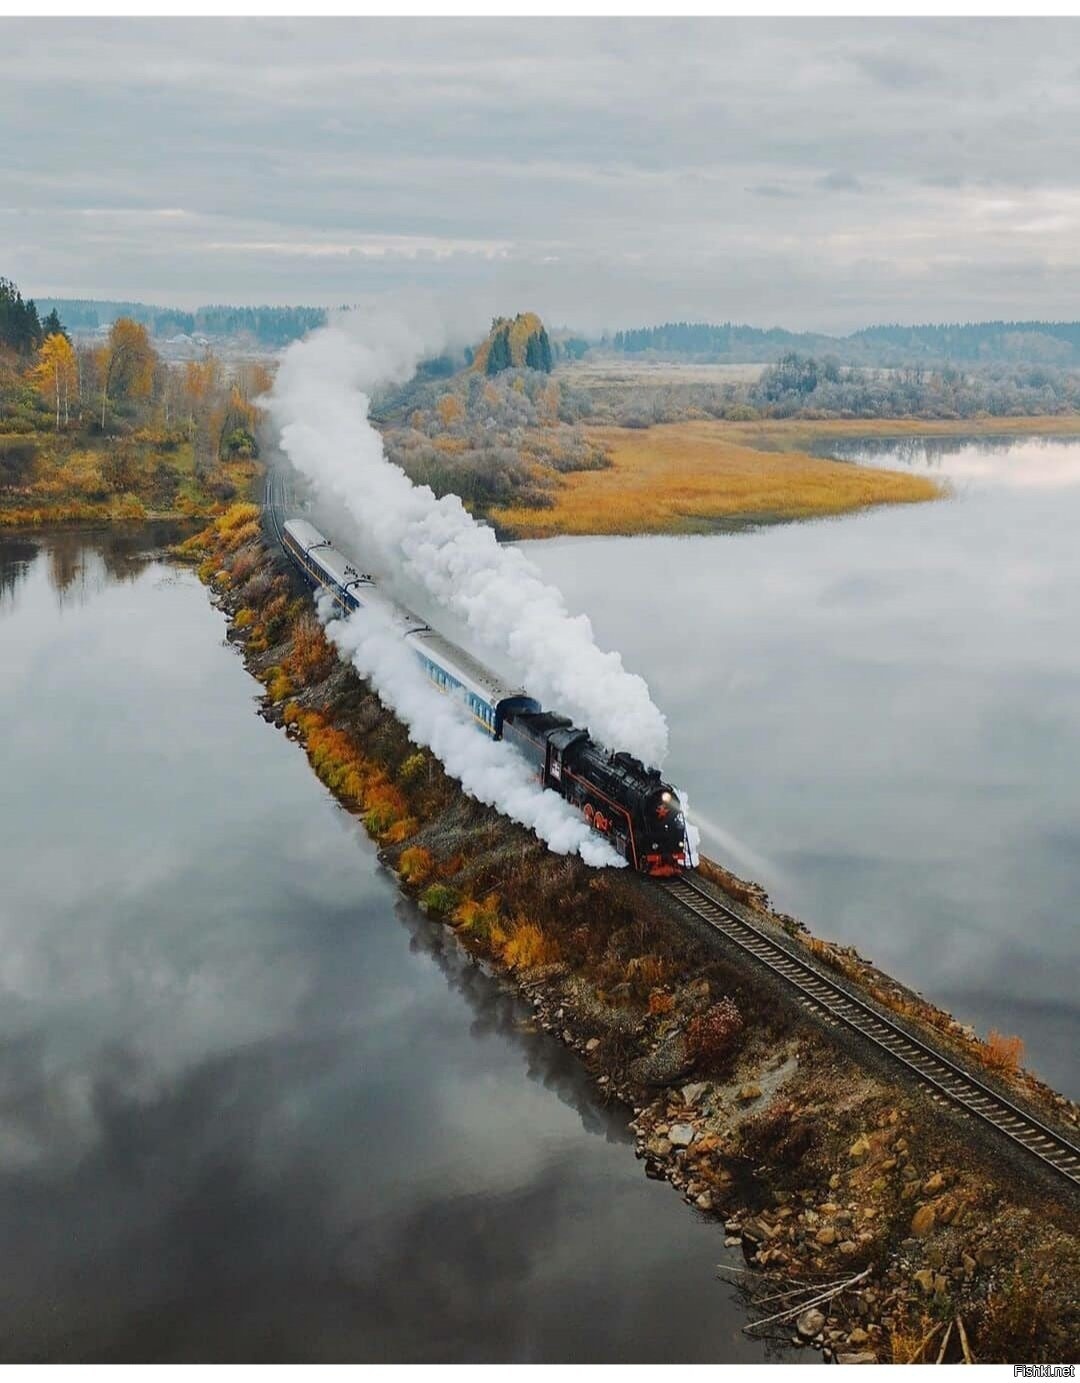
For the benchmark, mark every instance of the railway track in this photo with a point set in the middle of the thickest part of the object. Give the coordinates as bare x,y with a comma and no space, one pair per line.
838,1005
946,1081
273,504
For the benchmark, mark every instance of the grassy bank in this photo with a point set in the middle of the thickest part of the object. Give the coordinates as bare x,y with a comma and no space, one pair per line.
150,473
694,477
822,1167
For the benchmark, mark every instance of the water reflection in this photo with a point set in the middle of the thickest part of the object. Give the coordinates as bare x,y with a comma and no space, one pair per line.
16,556
244,1113
81,562
879,718
499,1009
1024,463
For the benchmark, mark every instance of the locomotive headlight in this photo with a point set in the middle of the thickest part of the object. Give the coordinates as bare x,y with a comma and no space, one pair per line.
665,797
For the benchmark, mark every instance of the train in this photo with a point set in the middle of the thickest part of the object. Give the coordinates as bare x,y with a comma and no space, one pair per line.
631,806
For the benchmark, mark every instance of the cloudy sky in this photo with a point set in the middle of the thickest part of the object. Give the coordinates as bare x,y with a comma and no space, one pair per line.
819,174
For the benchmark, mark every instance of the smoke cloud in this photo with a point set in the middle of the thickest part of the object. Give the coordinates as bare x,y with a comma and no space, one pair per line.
489,770
320,404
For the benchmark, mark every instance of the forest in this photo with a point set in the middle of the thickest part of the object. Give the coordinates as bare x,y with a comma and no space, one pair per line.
1049,343
270,326
807,386
109,429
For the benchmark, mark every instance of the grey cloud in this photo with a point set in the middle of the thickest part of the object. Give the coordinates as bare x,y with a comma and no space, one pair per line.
772,189
328,159
839,182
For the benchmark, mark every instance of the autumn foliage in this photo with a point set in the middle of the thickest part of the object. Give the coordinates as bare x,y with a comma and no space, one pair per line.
1001,1053
311,657
712,1036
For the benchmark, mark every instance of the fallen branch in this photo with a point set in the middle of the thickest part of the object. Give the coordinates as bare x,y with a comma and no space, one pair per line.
917,1357
969,1358
944,1344
829,1295
757,1272
797,1291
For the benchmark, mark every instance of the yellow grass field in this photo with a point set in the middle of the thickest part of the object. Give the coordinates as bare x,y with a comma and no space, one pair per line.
690,477
694,477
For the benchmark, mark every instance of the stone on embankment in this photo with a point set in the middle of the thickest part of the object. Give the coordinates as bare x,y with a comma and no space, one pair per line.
693,1092
925,1278
826,1236
810,1323
923,1221
748,1093
669,1060
681,1135
865,1357
859,1149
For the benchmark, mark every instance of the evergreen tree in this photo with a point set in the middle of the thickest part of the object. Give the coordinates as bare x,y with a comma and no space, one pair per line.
53,326
545,351
20,329
499,351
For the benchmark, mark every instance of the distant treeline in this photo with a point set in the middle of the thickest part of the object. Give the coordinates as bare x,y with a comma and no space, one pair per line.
724,342
272,326
1046,343
803,386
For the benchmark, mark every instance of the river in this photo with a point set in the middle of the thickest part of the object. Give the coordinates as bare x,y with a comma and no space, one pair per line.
255,1107
878,718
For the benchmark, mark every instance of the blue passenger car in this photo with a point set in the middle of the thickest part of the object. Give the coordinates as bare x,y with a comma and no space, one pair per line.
449,668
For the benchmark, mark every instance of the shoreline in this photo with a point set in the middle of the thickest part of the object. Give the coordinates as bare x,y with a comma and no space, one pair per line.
817,1163
708,476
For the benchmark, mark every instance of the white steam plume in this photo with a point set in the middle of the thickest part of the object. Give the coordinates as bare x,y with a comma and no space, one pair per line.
693,835
489,770
320,404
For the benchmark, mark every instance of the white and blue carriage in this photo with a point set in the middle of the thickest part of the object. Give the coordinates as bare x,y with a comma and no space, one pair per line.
449,668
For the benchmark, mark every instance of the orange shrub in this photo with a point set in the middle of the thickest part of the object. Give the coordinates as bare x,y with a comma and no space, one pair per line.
401,830
415,864
311,657
528,947
235,517
480,918
1001,1053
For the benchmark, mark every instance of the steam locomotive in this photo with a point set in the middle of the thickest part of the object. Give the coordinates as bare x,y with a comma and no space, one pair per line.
630,805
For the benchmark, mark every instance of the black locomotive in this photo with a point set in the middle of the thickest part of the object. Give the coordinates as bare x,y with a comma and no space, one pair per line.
630,804
622,800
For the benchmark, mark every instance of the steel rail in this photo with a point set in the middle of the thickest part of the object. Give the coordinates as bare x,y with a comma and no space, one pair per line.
825,995
932,1067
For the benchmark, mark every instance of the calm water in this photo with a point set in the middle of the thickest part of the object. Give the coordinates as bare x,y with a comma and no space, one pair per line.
253,1106
878,718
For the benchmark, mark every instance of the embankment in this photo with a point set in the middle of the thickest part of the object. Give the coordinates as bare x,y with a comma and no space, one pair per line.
822,1167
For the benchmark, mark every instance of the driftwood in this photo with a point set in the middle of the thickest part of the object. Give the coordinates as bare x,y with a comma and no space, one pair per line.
969,1358
797,1291
829,1295
924,1342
